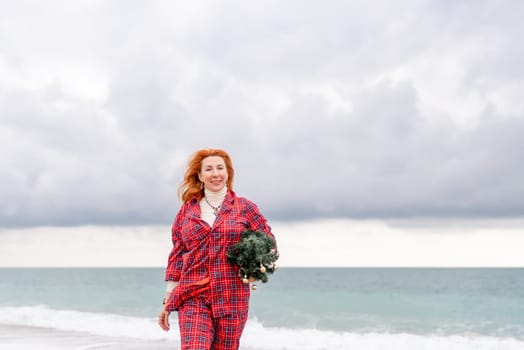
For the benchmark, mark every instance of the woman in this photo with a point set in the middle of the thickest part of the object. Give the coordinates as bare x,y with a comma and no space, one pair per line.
211,300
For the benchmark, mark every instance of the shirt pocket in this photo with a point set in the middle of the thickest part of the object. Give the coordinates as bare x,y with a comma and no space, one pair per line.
230,231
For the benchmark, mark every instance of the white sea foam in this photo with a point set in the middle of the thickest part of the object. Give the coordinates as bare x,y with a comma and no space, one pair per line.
88,322
256,336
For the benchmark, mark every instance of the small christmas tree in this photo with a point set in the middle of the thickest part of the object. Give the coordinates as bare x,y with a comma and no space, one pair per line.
255,254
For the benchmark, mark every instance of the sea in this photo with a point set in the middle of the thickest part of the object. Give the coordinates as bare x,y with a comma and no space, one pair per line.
299,308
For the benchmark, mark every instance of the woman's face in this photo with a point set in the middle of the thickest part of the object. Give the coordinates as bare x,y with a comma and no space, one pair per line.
213,173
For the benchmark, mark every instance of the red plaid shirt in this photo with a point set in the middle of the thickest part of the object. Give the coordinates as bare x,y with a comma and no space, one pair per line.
198,260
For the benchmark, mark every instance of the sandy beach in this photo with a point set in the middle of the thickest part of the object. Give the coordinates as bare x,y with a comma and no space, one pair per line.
28,338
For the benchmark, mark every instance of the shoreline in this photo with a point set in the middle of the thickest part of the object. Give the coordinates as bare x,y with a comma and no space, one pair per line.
15,337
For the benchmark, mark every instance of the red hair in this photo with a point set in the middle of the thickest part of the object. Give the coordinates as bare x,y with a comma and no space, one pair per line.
192,187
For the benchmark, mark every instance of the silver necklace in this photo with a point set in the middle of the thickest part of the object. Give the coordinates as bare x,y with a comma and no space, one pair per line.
215,209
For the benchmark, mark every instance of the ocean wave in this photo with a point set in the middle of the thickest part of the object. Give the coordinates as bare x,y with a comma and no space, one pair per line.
80,321
256,336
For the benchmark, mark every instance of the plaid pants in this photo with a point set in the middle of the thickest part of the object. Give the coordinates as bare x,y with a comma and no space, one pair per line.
200,331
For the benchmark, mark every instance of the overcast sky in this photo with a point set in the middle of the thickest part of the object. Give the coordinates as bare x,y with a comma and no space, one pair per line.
351,109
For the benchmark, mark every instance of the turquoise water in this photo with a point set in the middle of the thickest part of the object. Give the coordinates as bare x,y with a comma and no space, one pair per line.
335,303
420,301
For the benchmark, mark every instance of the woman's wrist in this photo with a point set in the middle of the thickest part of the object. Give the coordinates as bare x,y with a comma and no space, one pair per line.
170,286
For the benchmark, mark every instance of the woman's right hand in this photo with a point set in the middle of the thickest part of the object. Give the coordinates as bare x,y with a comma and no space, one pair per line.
163,316
163,319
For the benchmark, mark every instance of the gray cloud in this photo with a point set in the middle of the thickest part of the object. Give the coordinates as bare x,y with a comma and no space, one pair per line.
333,110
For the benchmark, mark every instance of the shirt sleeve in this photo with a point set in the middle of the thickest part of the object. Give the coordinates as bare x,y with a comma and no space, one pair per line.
175,262
257,221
